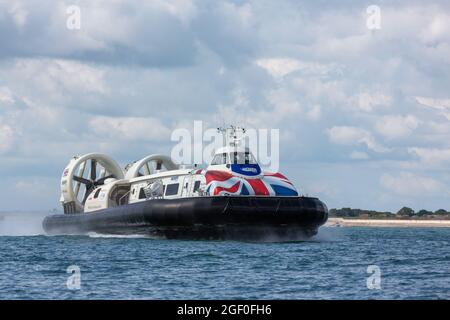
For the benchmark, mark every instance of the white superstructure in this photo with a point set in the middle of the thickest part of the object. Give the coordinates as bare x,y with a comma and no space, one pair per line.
95,181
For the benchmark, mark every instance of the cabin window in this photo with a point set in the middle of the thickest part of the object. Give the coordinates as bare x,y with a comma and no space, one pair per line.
243,158
172,189
196,185
215,160
142,194
219,159
97,193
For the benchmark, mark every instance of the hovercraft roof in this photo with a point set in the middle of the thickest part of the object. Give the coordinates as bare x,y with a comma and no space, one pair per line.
231,149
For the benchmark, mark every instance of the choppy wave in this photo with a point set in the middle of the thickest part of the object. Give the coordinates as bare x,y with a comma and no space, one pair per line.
414,264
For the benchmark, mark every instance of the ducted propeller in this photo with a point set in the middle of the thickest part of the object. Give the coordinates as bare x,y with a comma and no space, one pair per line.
82,175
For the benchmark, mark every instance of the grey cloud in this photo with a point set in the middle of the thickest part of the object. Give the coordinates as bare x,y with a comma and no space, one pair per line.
200,62
118,34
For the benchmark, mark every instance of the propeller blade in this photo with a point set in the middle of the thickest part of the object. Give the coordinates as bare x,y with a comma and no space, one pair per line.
93,169
80,173
103,173
87,193
146,169
82,180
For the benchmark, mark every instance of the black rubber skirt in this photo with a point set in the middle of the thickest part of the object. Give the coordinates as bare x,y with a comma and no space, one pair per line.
225,217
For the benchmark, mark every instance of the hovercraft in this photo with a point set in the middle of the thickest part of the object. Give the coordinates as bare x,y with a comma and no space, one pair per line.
231,199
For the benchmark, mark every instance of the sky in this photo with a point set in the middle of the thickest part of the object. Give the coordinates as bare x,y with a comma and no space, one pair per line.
363,111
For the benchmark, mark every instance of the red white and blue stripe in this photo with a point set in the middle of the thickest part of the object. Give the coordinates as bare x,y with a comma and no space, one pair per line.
269,184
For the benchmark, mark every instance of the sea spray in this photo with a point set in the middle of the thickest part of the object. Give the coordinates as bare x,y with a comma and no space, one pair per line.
328,234
21,223
119,236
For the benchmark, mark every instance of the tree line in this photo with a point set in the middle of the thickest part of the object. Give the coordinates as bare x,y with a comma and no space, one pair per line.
403,213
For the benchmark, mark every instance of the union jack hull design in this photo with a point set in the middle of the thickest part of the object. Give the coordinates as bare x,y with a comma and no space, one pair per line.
270,184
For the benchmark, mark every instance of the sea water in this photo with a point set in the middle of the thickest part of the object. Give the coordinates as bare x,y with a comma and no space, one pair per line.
339,263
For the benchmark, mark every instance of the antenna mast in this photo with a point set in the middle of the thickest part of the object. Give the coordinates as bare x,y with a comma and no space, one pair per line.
232,135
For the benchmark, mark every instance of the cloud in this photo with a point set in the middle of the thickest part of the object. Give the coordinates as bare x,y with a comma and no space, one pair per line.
440,104
437,29
367,101
394,127
136,70
54,75
6,96
129,128
18,12
279,67
358,155
6,137
185,10
155,33
443,105
432,157
411,185
314,112
347,135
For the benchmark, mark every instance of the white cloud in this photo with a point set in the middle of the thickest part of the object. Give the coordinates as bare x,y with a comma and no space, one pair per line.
432,157
185,10
92,89
440,104
6,96
367,101
394,127
437,29
6,136
18,12
285,103
122,32
28,185
358,155
347,135
314,112
55,74
129,128
322,188
31,188
243,12
315,90
409,184
279,67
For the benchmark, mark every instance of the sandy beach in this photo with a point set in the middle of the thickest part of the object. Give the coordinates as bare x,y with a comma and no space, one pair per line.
340,222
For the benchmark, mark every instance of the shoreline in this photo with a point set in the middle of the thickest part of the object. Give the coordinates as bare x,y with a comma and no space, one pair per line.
341,222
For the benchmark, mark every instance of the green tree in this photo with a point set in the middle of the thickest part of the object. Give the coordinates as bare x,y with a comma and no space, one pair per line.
424,213
405,211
